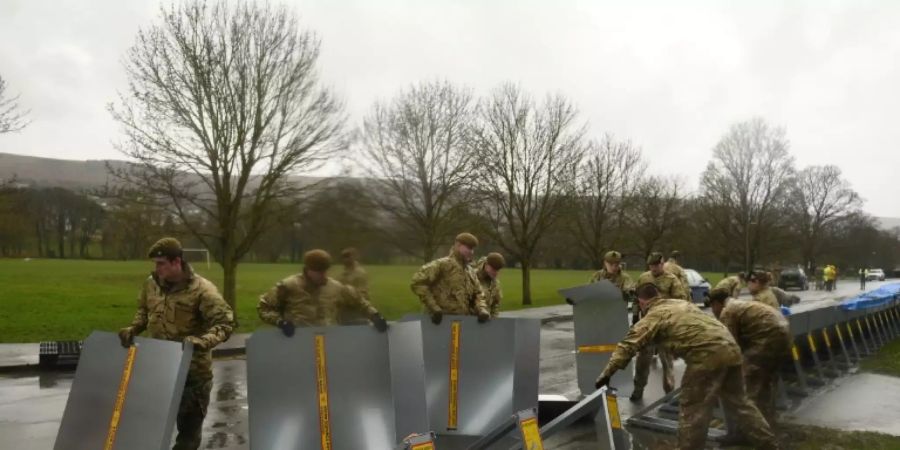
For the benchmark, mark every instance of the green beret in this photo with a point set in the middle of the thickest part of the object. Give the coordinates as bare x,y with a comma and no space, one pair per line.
675,254
317,260
654,258
496,260
166,247
612,256
467,239
719,294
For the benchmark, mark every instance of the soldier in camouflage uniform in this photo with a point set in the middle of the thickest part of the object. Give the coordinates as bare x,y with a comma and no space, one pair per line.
713,369
758,285
732,284
674,268
764,338
449,285
488,269
178,305
612,272
356,277
669,288
313,299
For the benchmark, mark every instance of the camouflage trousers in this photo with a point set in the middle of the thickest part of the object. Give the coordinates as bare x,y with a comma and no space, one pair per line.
701,390
194,402
642,364
761,382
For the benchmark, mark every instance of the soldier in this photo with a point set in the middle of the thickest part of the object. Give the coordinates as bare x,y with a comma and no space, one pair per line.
488,269
612,272
764,338
784,299
178,305
356,277
674,268
669,288
313,299
449,285
758,285
732,284
713,369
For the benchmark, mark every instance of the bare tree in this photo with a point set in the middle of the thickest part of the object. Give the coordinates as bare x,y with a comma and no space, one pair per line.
224,105
527,158
12,118
822,199
416,153
656,212
750,175
606,181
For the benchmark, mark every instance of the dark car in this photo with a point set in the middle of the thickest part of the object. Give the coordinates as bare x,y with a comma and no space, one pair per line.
793,277
699,286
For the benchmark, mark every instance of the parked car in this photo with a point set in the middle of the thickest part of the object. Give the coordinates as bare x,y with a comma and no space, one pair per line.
793,277
699,287
875,275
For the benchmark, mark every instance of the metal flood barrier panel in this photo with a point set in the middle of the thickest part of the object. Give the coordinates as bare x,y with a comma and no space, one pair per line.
124,399
601,321
477,374
347,387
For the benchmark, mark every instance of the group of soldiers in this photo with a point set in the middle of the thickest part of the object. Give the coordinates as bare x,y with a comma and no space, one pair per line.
177,304
730,356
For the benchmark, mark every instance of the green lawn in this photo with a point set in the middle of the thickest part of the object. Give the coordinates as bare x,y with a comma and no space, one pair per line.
66,299
886,361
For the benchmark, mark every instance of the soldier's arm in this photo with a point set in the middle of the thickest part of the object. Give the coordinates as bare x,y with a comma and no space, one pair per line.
352,298
363,287
481,306
218,316
638,336
422,282
495,305
731,321
139,322
271,304
678,290
595,277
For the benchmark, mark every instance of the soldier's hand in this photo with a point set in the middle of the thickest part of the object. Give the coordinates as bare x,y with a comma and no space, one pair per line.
126,337
287,327
602,381
635,318
198,343
437,317
483,316
379,323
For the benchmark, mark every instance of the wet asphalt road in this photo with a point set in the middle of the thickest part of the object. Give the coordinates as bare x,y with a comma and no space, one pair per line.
31,404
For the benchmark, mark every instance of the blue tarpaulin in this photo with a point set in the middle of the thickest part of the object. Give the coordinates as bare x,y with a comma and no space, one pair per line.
878,297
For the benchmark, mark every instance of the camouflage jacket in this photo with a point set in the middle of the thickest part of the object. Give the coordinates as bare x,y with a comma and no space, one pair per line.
357,278
732,284
297,300
449,285
621,280
493,295
668,285
684,330
768,297
675,269
759,330
190,308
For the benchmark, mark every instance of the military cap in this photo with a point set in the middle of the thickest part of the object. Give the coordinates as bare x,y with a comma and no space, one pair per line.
168,247
467,239
719,294
761,276
675,254
612,256
317,260
655,258
496,260
349,252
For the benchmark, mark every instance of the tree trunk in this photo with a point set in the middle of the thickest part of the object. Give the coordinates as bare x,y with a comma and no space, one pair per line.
526,281
229,267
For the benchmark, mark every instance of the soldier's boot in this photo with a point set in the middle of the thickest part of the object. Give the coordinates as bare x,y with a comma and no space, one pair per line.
194,402
637,394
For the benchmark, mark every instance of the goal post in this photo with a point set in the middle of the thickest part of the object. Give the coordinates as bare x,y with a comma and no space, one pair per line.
201,253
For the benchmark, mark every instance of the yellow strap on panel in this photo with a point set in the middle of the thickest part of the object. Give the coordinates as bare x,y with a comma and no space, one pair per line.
453,404
827,339
795,353
531,434
120,399
602,348
423,446
812,342
322,389
612,408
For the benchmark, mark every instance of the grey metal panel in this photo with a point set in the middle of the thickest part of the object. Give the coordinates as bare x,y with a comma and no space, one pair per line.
601,318
799,323
151,401
820,318
490,363
283,399
408,378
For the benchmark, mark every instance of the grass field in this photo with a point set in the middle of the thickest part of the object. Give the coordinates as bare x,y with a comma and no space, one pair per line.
67,299
886,361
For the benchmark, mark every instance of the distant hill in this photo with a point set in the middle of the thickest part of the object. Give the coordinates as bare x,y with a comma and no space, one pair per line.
888,223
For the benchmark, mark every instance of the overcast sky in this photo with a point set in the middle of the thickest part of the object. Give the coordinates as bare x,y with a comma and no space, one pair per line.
671,78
